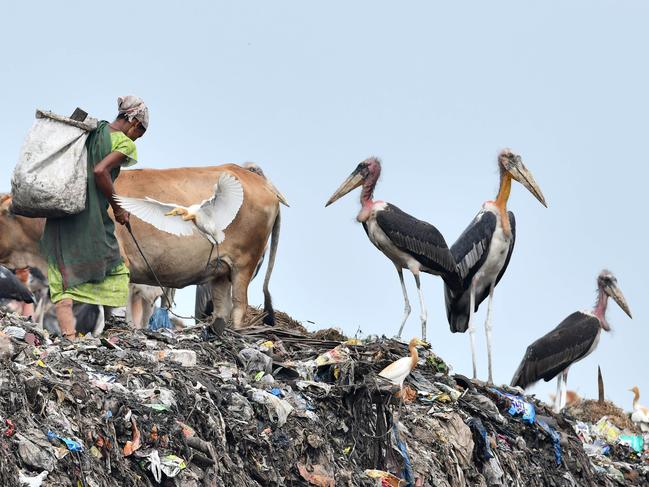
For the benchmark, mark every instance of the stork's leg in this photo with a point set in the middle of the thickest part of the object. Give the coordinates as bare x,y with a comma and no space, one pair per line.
557,397
472,328
488,328
564,389
406,309
423,316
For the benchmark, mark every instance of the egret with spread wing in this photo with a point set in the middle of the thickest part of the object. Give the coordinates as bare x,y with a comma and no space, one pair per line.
573,339
408,242
211,217
483,251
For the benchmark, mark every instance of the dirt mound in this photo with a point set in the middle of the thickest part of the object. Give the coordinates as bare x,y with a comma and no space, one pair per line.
591,411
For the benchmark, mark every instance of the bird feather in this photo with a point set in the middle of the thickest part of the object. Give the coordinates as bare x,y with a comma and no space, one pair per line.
217,212
153,212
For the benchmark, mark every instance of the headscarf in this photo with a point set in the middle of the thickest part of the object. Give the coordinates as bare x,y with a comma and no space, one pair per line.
133,107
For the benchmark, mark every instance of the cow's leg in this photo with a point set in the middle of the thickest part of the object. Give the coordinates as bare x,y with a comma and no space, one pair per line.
65,316
221,302
147,311
134,309
240,280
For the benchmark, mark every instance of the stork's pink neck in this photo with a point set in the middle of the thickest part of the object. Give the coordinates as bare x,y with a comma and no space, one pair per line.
600,309
367,195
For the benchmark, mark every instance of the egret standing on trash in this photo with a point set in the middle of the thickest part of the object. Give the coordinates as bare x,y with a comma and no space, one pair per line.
640,414
573,339
483,251
408,242
84,261
398,370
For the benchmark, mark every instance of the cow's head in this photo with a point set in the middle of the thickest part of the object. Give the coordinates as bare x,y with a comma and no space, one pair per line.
19,237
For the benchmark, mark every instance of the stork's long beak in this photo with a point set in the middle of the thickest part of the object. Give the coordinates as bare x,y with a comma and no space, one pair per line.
523,175
614,292
354,180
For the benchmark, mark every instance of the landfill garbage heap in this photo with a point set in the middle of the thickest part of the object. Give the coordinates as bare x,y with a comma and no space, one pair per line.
273,407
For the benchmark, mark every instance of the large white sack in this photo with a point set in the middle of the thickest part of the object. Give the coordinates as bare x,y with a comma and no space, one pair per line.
51,175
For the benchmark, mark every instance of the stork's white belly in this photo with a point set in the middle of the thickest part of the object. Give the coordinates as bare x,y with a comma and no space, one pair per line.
385,245
496,257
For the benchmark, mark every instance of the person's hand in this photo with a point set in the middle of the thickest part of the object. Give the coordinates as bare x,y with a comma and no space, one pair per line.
121,216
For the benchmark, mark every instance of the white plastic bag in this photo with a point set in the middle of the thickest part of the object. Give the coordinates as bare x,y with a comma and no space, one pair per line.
51,175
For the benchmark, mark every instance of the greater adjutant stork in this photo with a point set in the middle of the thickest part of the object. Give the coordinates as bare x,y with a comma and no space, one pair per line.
408,242
573,339
483,251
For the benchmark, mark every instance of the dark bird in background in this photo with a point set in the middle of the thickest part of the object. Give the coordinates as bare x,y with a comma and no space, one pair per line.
12,288
483,251
573,339
408,242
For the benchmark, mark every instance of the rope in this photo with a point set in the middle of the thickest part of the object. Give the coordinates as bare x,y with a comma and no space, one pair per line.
130,231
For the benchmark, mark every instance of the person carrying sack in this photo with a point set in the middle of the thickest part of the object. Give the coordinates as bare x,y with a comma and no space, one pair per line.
84,263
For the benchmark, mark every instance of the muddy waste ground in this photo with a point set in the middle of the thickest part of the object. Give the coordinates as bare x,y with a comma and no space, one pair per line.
273,407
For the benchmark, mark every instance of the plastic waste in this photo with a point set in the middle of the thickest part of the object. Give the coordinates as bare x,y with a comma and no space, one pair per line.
72,445
607,430
336,355
480,439
35,481
597,447
172,465
633,441
279,409
160,320
554,436
253,360
386,478
186,358
518,406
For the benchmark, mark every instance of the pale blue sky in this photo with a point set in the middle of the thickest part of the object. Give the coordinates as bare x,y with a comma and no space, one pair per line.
435,89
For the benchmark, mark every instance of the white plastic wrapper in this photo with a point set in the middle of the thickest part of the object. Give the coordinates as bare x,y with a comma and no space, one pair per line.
51,175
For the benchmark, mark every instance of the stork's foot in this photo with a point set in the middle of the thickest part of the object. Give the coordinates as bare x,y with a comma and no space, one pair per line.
189,216
176,212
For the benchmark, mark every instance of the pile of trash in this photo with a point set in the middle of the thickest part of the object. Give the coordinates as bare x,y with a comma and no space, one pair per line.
273,407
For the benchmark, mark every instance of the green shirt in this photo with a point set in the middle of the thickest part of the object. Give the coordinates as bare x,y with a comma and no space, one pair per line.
121,143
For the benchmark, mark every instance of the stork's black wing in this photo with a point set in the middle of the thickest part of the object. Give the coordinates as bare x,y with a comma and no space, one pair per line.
470,252
553,353
471,248
12,288
420,239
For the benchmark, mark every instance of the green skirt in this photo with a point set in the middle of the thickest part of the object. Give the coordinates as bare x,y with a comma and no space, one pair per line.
112,291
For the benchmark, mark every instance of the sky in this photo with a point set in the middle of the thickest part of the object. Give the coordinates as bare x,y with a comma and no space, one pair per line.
435,89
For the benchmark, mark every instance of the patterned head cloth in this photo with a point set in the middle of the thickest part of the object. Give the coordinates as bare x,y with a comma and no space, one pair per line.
133,107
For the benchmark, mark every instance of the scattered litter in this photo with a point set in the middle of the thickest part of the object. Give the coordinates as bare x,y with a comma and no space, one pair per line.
279,406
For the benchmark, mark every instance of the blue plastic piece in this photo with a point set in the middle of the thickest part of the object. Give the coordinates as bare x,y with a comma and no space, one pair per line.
71,444
554,436
160,320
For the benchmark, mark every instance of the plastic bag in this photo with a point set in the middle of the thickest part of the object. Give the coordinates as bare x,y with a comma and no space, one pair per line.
50,177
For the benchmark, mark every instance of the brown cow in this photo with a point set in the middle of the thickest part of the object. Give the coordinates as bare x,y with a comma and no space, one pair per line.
182,261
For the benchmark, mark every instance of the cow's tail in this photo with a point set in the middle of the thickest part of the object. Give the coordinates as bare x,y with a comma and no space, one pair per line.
269,319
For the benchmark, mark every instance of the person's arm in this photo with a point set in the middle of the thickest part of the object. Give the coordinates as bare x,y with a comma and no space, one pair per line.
105,183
